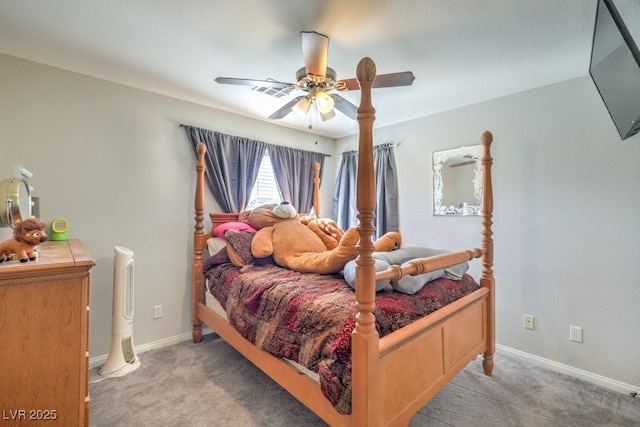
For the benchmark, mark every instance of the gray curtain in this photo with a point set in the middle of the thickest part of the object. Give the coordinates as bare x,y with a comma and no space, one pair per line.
386,209
344,194
294,172
232,165
344,198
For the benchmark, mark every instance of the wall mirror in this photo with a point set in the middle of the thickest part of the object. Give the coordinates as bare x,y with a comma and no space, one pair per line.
457,181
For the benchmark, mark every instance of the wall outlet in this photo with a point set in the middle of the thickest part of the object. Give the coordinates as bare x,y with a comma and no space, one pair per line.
157,311
529,322
575,333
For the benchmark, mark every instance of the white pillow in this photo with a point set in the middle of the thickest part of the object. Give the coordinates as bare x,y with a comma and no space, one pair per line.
214,244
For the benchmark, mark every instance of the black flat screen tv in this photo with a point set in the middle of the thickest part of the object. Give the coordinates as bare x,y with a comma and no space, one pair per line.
615,67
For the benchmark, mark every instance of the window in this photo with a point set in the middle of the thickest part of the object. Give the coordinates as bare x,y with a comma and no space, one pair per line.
265,190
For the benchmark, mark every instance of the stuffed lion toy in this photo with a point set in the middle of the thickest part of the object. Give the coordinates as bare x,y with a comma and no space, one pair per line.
307,244
27,235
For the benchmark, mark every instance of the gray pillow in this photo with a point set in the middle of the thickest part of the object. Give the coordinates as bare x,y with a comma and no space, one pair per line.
349,273
408,284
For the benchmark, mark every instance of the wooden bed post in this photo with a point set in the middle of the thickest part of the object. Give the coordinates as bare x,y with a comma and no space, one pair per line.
365,351
197,283
487,279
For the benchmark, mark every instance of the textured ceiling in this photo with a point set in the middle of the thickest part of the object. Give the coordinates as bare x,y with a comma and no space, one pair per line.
460,51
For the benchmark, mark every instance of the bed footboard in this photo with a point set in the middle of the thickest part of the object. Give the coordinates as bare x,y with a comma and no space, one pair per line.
418,360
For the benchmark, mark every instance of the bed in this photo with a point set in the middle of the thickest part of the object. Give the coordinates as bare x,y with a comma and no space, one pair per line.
387,384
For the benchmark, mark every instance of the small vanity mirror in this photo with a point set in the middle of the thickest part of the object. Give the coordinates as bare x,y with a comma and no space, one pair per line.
16,201
457,181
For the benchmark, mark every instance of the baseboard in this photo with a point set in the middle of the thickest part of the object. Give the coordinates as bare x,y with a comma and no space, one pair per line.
165,342
571,371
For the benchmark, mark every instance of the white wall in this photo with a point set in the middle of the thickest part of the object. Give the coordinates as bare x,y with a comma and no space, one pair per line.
113,161
566,220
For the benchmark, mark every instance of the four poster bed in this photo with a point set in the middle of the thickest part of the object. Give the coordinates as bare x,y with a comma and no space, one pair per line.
392,357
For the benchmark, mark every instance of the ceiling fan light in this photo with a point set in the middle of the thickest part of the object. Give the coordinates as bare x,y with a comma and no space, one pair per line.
324,102
327,116
302,107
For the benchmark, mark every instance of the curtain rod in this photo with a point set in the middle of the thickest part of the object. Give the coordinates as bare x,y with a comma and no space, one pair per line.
324,154
394,145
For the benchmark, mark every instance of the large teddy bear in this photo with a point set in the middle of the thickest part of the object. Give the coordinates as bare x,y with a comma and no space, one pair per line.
307,244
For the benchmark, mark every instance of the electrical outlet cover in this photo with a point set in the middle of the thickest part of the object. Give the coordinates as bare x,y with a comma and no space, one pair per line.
529,322
157,311
575,333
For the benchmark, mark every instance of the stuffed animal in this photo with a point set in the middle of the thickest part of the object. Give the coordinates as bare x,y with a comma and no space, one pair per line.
326,229
266,215
298,247
285,210
271,214
27,235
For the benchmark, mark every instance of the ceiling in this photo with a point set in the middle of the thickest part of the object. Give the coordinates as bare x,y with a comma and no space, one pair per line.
460,51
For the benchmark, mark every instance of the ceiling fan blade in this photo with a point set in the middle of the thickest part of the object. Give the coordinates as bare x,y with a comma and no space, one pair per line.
344,106
285,109
404,78
315,50
249,82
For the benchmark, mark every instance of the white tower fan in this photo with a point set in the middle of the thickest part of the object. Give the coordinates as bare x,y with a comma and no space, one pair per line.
122,357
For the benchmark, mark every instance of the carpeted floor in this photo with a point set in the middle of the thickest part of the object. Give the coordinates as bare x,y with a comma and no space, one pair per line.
210,384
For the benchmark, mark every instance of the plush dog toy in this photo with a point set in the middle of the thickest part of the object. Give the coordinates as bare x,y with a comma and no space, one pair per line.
310,247
27,235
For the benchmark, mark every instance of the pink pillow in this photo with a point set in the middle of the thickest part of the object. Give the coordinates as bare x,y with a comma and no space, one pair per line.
234,226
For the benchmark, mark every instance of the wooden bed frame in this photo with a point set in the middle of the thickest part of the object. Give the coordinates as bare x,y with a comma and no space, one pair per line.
389,383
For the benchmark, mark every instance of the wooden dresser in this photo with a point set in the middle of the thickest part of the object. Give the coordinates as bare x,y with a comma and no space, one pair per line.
44,337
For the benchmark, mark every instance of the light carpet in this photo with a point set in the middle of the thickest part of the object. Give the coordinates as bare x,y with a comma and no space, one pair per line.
210,384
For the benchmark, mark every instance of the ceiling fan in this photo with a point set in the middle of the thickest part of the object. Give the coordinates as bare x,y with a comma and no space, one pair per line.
317,80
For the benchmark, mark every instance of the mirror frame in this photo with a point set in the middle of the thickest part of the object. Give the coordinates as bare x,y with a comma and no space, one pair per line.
441,159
